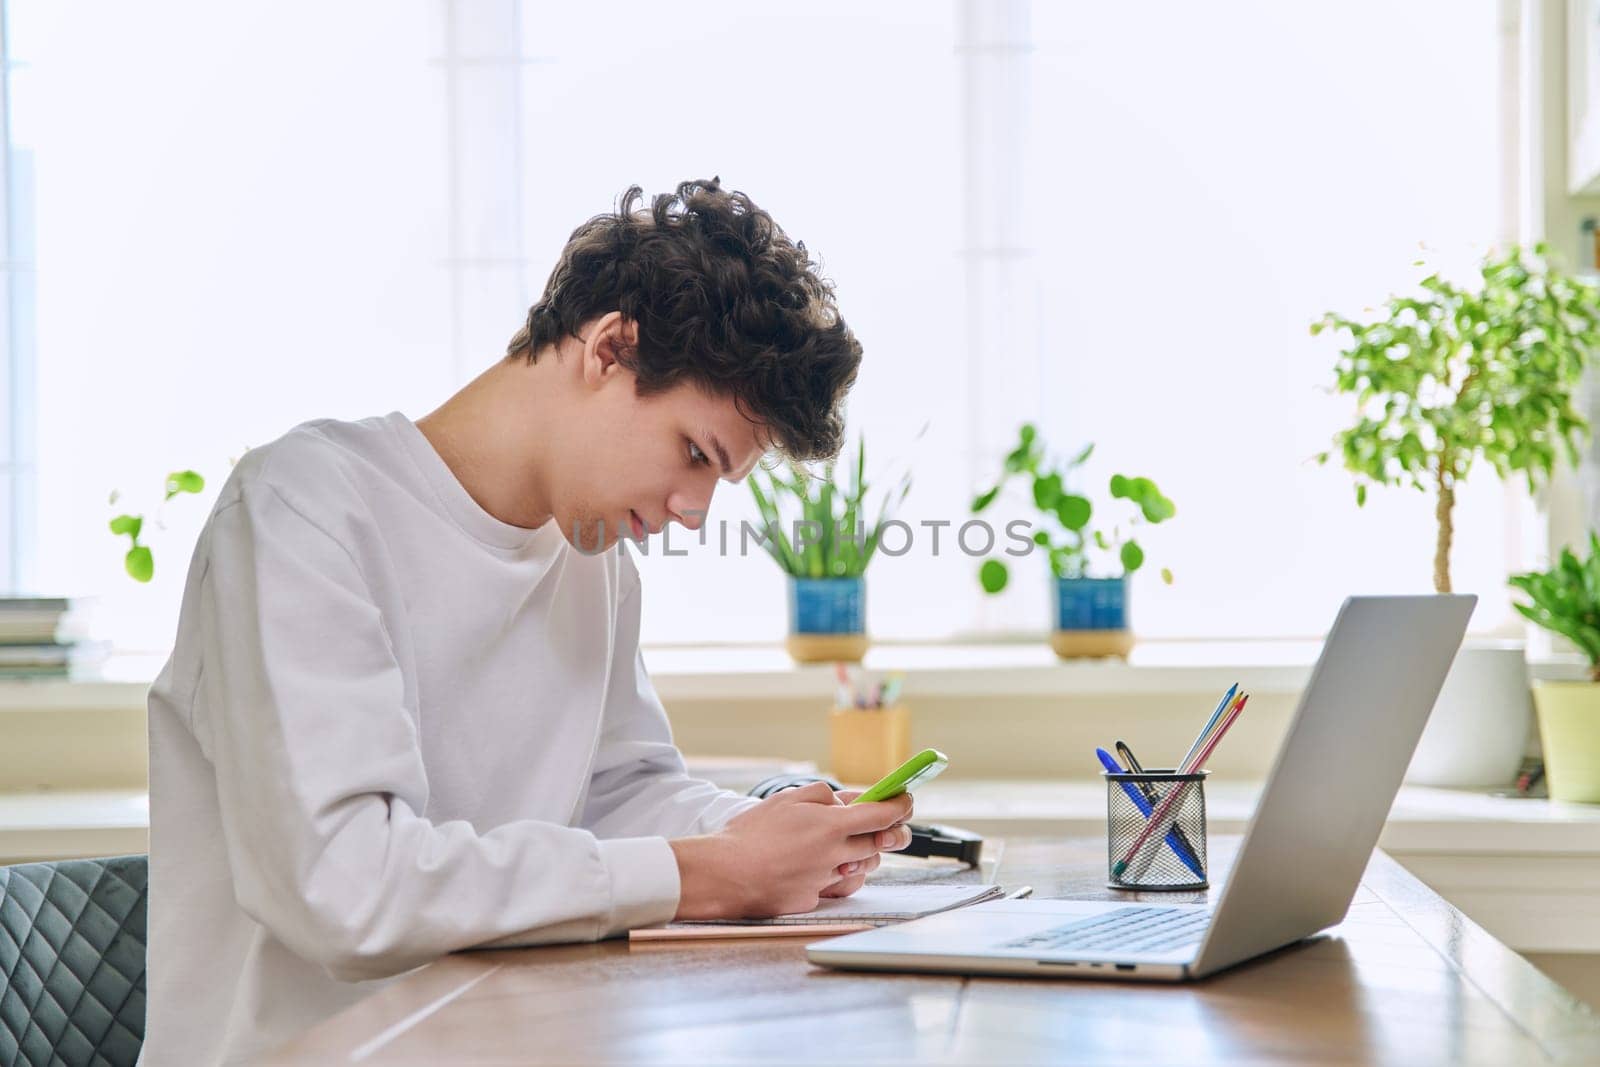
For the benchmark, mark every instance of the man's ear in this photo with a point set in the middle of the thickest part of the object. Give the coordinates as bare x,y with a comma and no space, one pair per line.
608,348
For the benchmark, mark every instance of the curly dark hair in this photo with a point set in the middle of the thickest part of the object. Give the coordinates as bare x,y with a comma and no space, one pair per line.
722,299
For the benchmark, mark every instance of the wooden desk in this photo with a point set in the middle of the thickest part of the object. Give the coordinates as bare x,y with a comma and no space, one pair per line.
1405,979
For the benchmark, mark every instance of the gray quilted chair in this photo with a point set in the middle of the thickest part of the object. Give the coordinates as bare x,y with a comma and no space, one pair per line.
72,951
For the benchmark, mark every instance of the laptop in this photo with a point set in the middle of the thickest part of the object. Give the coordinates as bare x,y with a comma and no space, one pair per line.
1297,870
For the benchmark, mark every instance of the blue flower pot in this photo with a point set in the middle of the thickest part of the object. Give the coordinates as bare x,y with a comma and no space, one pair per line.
1091,618
827,619
827,605
1091,603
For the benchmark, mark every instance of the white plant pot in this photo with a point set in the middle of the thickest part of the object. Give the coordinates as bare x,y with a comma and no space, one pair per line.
1480,725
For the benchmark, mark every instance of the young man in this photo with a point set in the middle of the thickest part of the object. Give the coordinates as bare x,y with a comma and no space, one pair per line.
406,711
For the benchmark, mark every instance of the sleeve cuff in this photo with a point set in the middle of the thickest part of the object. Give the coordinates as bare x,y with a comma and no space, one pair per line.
644,882
737,805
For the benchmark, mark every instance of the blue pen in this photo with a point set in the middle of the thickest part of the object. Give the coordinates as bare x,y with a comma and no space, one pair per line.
1109,763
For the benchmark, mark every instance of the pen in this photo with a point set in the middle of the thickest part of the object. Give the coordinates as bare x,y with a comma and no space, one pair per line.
1127,757
1179,845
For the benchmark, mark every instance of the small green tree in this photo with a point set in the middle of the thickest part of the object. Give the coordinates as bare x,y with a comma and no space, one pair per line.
1069,552
1460,372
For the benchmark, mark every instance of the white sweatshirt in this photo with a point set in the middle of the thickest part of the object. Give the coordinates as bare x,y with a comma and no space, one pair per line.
392,726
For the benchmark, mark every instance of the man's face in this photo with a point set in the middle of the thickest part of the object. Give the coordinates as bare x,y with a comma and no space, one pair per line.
637,463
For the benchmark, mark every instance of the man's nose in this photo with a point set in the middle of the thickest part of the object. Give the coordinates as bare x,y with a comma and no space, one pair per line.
689,508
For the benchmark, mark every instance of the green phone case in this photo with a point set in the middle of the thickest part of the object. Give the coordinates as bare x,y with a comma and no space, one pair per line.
919,768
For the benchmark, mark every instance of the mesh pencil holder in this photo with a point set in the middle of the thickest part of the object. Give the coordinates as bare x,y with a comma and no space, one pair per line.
1172,853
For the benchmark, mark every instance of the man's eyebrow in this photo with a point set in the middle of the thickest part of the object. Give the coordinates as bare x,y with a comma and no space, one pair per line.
722,454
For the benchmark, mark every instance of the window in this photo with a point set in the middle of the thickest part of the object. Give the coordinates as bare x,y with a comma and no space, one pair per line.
1115,223
1073,214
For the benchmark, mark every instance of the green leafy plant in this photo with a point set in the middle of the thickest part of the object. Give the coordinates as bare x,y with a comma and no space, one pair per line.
138,562
830,538
1460,372
1072,512
1566,600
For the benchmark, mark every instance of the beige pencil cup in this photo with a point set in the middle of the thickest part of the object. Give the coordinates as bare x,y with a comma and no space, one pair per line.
868,743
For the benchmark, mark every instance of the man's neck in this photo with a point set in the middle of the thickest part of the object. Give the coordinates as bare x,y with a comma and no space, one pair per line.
482,435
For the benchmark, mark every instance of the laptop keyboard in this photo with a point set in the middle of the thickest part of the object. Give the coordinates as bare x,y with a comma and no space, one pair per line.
1136,929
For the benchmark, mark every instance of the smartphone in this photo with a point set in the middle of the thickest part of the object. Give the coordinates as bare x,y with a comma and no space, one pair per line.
922,767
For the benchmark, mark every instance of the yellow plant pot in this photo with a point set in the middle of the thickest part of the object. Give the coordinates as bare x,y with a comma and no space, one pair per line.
1091,644
868,743
826,648
1569,732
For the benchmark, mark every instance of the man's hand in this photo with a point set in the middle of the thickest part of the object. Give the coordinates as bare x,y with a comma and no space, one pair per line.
786,853
853,876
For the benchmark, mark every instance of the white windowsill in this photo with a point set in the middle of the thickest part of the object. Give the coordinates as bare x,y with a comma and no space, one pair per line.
766,672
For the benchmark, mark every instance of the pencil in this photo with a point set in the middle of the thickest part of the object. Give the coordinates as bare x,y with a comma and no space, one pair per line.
1222,707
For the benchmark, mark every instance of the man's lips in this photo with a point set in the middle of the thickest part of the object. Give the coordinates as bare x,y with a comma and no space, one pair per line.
638,526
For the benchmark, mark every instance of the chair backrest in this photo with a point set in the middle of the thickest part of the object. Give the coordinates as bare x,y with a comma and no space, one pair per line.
72,950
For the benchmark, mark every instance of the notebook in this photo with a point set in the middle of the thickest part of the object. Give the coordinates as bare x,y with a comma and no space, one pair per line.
878,905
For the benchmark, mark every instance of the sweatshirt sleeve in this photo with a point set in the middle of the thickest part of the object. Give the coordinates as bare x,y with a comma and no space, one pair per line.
639,784
321,783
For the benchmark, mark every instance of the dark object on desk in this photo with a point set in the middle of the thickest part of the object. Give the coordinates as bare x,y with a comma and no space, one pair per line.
927,841
779,782
947,842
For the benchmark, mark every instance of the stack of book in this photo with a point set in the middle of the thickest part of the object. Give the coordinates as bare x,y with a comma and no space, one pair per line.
36,640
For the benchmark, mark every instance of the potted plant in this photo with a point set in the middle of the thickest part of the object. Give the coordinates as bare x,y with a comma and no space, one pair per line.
1091,612
1441,379
824,552
1566,600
